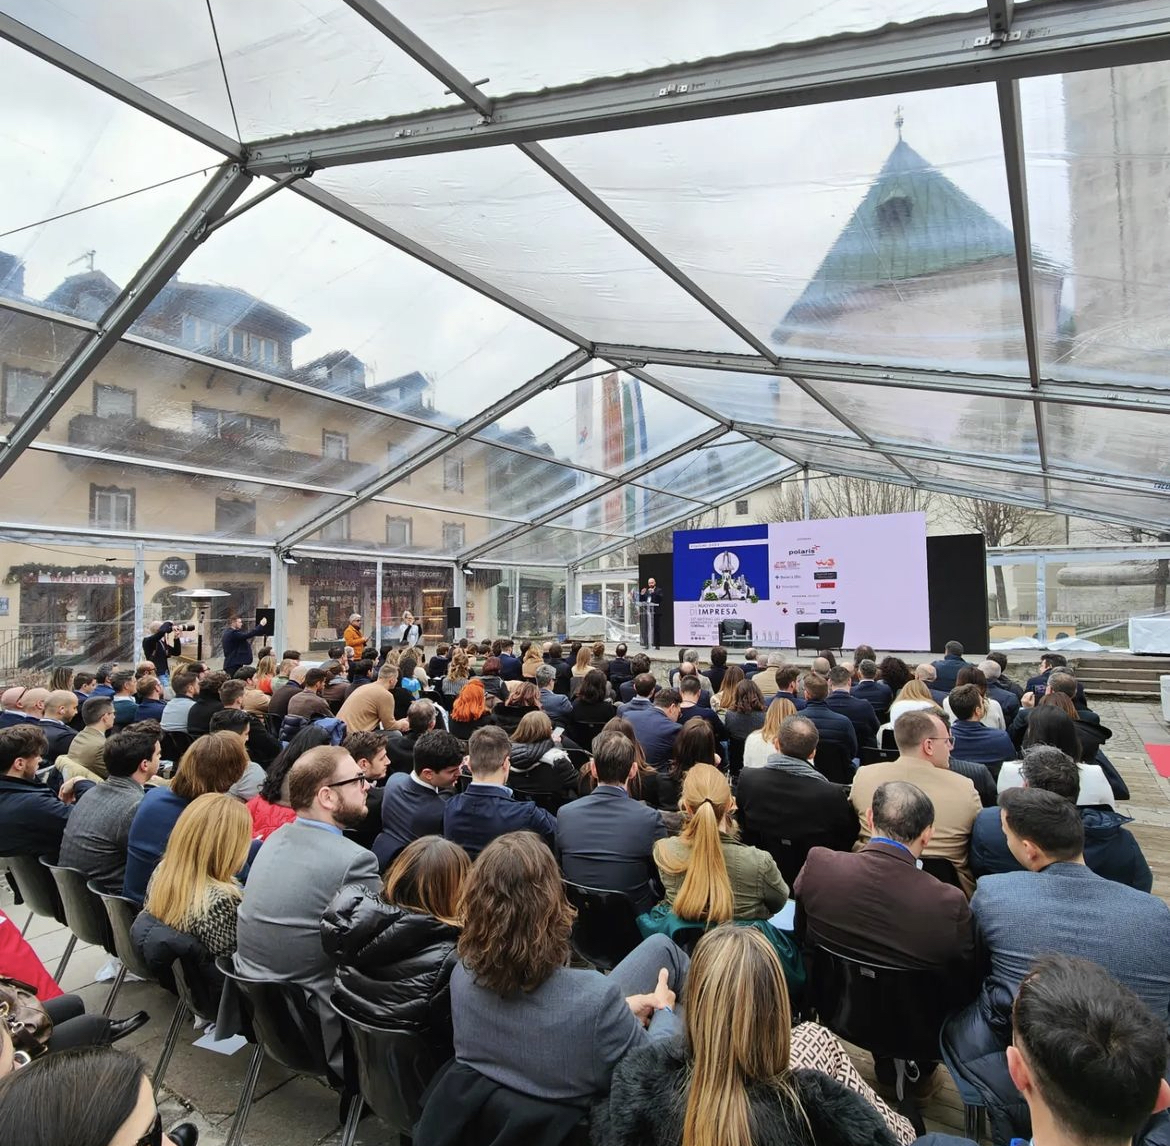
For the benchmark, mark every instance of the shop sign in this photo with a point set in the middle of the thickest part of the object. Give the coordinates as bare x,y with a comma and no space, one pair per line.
77,579
173,570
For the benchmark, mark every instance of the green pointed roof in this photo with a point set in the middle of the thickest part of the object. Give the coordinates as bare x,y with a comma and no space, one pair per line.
912,222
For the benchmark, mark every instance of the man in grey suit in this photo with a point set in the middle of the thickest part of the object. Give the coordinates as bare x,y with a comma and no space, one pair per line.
1057,905
98,829
556,706
606,840
295,876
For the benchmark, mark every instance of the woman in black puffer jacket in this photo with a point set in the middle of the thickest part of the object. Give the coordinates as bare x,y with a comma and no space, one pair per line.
395,950
540,769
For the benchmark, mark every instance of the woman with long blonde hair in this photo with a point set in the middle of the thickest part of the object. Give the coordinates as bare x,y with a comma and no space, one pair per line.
709,876
533,659
265,671
763,742
458,673
912,696
743,1076
194,889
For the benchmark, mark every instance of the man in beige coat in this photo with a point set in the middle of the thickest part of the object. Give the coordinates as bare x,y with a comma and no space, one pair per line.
924,742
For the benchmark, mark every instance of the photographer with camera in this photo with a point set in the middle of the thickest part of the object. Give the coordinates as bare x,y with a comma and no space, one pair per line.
157,649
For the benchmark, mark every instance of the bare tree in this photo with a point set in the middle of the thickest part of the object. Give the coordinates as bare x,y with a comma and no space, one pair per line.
1000,524
1137,534
844,497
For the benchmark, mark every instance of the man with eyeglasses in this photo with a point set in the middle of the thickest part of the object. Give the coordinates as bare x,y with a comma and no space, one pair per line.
924,744
295,876
32,816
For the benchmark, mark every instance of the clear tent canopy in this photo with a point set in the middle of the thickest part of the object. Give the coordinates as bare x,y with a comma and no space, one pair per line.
564,275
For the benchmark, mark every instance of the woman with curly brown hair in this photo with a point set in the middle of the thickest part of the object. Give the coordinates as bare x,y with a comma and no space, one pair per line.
523,1017
523,698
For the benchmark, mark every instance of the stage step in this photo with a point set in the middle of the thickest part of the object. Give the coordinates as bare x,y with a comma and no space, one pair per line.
1122,677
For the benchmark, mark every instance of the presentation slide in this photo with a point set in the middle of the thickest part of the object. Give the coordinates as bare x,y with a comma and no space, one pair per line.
869,572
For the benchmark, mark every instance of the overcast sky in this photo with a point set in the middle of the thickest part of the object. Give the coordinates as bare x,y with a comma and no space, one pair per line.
747,205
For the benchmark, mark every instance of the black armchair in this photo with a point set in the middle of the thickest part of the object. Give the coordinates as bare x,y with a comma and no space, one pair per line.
735,633
820,635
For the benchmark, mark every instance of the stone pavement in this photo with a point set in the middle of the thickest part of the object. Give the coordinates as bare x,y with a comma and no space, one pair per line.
203,1087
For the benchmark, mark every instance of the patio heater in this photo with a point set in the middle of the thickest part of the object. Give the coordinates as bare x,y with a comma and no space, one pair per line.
201,599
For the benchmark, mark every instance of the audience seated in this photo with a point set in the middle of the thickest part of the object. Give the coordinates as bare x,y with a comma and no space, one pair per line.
761,744
1052,663
282,693
32,816
606,839
458,673
639,666
691,707
557,706
123,683
858,712
523,1018
148,698
194,888
493,684
786,801
413,802
394,947
947,669
239,723
1087,1056
876,693
645,781
877,903
1007,700
746,714
88,748
751,663
369,752
718,669
374,705
724,696
97,832
310,702
1110,850
993,716
833,727
270,809
1003,680
928,675
913,696
176,710
296,875
487,807
420,719
538,768
1055,906
523,698
263,747
765,679
207,703
90,1094
924,746
470,710
895,672
742,1074
511,665
620,668
695,744
530,662
213,763
60,709
710,876
591,707
974,740
655,721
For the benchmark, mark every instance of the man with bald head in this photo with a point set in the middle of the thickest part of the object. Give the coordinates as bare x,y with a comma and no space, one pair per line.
60,709
23,706
928,674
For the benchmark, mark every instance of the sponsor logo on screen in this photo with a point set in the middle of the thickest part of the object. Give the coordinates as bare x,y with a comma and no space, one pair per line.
825,576
828,612
826,563
826,584
808,552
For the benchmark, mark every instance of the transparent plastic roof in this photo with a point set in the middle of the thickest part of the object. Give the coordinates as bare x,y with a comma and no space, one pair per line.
521,283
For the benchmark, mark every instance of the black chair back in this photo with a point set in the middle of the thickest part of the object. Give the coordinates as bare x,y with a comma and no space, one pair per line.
871,755
735,755
121,913
832,634
199,986
283,1019
942,870
393,1069
735,633
36,887
583,731
889,744
174,744
85,914
604,932
808,635
892,1012
833,762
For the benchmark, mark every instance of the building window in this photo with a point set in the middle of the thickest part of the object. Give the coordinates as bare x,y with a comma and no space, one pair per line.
453,474
741,507
114,402
203,334
235,516
396,456
337,529
234,425
21,390
454,536
111,507
335,445
399,531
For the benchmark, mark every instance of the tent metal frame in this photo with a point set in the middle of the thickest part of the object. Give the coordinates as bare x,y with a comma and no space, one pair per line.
1000,45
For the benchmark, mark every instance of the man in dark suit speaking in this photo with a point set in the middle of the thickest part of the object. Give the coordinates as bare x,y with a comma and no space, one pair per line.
650,600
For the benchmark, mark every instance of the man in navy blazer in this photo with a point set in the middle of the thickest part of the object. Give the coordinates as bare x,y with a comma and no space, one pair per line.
874,692
1050,663
556,707
947,670
655,721
975,741
487,808
509,662
832,727
606,840
859,713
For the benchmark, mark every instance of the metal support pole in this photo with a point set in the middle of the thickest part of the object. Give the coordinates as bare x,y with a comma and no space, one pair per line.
514,618
458,594
807,498
377,626
1041,601
139,596
278,588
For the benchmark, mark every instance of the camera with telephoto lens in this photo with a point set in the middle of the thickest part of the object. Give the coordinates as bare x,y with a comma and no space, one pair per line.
183,628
